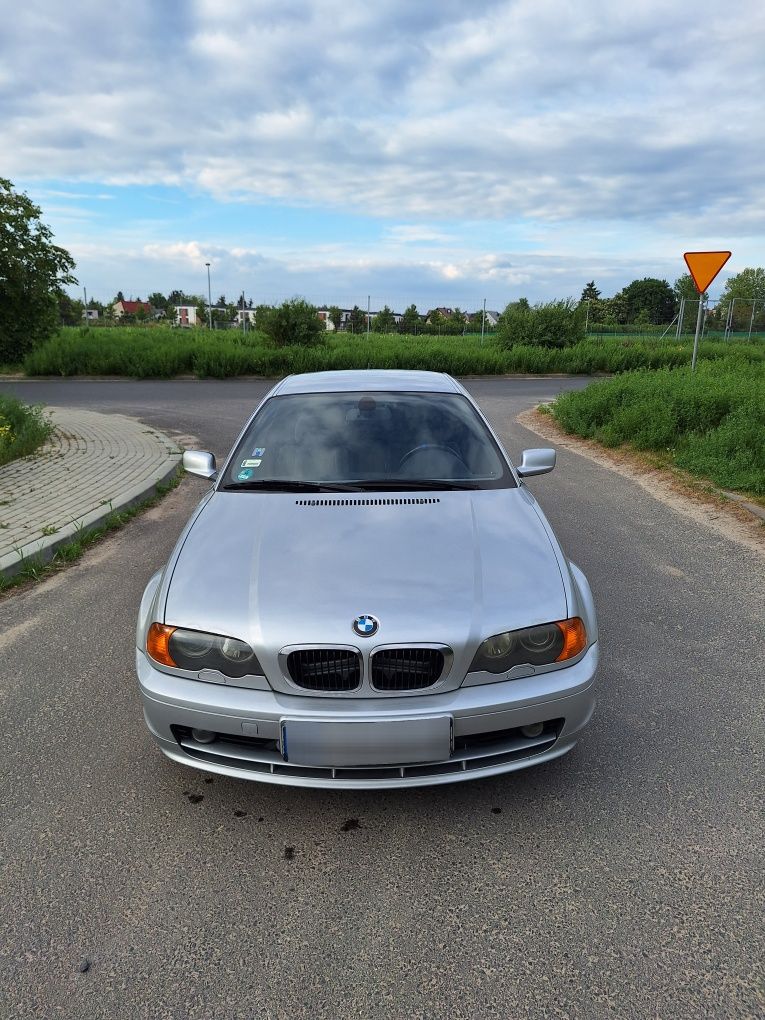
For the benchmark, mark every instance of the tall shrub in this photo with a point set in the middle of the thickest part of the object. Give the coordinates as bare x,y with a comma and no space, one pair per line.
293,323
549,324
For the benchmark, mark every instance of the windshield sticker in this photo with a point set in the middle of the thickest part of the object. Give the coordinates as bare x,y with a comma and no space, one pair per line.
251,463
245,476
258,451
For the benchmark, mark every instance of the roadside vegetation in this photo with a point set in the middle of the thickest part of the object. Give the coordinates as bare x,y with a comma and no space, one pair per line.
710,423
164,352
22,429
33,274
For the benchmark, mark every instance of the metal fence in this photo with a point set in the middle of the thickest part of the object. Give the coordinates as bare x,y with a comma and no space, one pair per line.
737,319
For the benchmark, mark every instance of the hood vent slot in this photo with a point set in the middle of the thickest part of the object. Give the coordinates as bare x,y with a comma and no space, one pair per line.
387,501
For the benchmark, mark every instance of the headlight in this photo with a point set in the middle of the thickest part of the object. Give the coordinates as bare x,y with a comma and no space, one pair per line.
195,650
535,646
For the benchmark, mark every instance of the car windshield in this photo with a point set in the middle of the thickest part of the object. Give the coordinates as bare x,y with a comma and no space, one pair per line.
366,442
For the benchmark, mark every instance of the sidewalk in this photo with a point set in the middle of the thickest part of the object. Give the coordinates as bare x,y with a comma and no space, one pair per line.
92,465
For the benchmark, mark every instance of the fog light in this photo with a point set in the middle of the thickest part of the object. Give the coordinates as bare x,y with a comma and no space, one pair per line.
534,730
203,736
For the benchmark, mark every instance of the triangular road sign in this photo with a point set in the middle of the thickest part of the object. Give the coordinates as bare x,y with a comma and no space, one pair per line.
704,266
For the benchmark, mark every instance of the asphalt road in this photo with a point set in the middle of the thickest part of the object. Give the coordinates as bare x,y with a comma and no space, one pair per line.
623,880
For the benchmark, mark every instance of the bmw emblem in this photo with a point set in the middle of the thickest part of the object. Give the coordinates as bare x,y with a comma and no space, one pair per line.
365,625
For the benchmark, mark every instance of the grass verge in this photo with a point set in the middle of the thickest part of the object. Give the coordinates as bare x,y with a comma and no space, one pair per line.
711,423
22,429
163,352
35,569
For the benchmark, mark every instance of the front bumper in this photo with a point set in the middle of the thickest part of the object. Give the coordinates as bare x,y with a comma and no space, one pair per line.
485,726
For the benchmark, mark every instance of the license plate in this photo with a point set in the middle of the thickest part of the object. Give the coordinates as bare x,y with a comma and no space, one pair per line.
354,744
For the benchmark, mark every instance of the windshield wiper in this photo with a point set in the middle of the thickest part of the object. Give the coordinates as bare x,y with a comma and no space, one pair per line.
413,484
286,485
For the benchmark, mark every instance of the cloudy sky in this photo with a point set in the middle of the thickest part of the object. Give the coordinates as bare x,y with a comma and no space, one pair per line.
433,151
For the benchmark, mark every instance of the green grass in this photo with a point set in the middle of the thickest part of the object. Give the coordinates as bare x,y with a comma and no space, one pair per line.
163,352
22,429
711,423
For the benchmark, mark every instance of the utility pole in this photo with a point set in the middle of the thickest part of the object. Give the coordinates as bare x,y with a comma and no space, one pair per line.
368,307
209,298
483,319
87,320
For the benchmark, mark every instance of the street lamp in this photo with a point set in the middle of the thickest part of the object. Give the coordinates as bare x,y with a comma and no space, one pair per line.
209,298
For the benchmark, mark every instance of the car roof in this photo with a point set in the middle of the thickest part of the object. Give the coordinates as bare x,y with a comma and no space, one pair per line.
368,379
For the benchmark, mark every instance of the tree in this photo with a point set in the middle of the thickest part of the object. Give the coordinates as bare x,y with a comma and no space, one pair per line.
335,316
33,272
458,319
653,297
436,321
410,320
590,292
70,310
357,320
120,297
178,297
521,305
685,288
293,323
476,319
158,300
384,321
746,285
743,288
221,302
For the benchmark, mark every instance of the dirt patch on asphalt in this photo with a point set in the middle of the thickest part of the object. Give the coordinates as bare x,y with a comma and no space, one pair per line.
683,493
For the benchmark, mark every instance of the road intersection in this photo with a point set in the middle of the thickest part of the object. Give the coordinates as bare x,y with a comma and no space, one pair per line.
623,880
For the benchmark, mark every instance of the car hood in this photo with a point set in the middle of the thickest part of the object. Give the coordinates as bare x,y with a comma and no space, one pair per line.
281,569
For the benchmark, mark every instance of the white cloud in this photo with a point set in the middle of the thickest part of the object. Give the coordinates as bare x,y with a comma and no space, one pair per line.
525,109
508,147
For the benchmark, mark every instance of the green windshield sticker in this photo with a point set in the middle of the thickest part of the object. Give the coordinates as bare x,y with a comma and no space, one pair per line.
244,476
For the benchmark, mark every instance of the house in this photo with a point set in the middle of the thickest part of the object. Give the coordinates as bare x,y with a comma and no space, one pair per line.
248,313
120,308
445,312
185,315
492,318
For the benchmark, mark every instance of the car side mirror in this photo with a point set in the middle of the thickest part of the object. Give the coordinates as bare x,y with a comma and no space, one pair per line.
200,463
536,462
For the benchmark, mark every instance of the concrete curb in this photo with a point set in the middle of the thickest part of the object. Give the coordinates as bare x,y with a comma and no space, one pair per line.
71,471
44,549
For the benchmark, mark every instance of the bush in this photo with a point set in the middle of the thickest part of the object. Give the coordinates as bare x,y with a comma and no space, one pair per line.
163,352
711,423
22,429
293,323
552,324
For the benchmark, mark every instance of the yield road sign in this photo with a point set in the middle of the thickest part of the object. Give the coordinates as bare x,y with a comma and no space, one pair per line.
704,266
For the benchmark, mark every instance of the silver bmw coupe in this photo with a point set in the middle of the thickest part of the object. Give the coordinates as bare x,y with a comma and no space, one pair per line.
368,596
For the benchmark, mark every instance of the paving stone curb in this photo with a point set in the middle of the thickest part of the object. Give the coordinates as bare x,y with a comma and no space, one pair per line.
92,466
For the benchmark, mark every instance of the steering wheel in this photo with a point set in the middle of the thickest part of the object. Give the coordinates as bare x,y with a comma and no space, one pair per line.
433,446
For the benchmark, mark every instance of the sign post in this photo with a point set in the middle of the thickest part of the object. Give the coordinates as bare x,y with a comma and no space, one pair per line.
703,267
